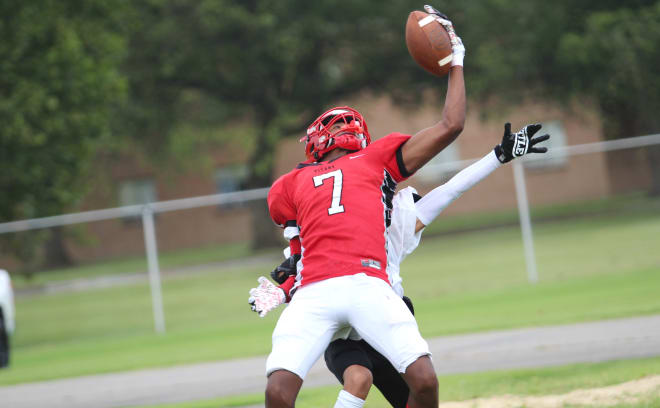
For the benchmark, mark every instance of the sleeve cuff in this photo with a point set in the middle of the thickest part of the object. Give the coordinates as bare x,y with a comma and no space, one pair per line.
399,161
494,156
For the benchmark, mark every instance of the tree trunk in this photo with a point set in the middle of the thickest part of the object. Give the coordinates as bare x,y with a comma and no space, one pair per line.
264,232
56,255
261,164
27,247
273,124
622,120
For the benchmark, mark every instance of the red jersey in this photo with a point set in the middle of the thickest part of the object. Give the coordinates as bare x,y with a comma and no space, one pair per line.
343,210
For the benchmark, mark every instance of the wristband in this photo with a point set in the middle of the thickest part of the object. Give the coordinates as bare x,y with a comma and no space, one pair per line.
457,60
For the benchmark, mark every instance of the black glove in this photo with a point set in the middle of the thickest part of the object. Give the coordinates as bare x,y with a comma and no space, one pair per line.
518,144
286,269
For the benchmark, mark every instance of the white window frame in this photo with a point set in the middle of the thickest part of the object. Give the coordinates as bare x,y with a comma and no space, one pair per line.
137,191
232,175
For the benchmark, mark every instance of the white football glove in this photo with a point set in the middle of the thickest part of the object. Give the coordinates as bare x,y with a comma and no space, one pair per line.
265,297
457,47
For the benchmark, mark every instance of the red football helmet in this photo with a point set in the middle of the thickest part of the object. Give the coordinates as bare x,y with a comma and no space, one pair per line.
354,135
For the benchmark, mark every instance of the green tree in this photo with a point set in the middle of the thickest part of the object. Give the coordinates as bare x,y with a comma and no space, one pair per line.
613,60
278,64
600,50
59,81
275,64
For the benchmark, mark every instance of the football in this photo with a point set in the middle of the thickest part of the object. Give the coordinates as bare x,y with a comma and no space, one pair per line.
428,43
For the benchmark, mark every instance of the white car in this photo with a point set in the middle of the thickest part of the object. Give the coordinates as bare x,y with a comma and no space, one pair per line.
7,317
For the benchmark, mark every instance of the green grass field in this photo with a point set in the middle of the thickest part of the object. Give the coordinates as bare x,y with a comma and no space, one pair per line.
166,260
590,268
459,387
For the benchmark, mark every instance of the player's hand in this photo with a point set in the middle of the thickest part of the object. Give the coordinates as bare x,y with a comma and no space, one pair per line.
457,47
518,144
265,297
286,269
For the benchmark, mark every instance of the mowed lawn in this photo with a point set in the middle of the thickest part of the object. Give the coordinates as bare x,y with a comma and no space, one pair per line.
590,268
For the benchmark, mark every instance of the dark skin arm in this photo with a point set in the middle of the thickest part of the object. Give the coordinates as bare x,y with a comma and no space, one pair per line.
425,144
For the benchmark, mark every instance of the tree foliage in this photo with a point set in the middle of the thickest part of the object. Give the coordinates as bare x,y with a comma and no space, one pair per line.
199,65
275,64
613,60
280,63
59,79
601,50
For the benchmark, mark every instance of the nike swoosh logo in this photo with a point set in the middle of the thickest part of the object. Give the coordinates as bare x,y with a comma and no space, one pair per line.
355,157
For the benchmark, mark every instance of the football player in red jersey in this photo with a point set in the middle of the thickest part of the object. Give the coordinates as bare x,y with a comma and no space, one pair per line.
340,200
353,361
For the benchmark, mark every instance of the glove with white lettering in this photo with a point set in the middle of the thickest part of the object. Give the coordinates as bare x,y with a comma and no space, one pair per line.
265,297
518,144
457,47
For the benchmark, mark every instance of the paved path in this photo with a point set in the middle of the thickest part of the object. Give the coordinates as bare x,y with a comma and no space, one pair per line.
532,347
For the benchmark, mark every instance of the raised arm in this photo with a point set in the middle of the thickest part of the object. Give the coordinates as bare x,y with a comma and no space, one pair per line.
424,145
513,145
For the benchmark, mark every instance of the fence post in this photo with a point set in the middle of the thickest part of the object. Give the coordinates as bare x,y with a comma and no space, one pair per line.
525,222
154,270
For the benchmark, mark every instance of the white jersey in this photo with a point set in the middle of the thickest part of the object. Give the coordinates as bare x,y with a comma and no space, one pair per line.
402,238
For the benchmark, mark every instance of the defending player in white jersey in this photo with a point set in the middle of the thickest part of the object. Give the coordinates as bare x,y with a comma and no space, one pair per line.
353,361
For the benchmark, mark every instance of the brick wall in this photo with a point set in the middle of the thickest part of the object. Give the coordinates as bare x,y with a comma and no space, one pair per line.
582,177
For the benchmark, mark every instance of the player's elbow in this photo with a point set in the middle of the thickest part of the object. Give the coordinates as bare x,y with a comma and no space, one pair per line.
454,126
446,132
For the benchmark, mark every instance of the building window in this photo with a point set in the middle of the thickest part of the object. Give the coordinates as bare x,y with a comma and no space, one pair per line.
442,166
133,192
555,129
229,179
136,192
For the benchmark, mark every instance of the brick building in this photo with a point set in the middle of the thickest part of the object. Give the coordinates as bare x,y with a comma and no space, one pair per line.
560,180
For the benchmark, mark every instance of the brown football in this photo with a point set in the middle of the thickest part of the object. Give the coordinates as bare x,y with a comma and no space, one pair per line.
428,43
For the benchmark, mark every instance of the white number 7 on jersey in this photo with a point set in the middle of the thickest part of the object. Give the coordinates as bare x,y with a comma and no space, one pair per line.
335,206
